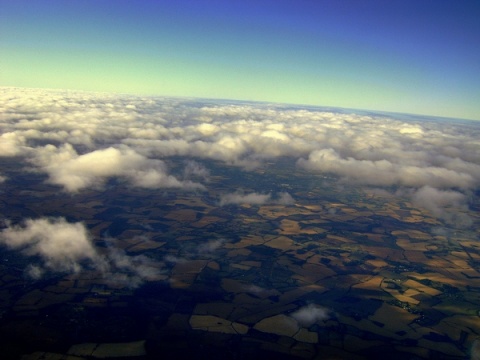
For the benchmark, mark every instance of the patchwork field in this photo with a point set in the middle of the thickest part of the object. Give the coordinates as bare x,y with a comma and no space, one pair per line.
358,276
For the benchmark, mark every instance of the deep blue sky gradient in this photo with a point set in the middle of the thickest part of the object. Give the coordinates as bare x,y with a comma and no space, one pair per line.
408,56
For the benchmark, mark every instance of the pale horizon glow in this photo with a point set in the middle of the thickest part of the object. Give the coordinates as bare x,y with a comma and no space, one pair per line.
397,56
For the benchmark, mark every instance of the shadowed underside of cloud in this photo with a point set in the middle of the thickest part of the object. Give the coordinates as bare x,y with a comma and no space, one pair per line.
127,137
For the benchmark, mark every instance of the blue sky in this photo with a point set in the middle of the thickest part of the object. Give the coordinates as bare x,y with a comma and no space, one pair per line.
406,56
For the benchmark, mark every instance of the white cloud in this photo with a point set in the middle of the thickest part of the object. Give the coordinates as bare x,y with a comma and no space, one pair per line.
238,198
285,198
75,172
210,246
195,169
11,144
257,290
448,205
62,246
93,137
131,271
310,314
384,172
68,247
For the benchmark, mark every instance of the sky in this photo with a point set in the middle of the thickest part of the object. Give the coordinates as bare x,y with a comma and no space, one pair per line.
420,57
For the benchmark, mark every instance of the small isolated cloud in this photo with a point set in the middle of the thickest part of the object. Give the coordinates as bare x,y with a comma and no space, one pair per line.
449,205
285,198
35,272
238,198
257,290
62,246
67,248
310,314
175,260
131,271
196,170
210,246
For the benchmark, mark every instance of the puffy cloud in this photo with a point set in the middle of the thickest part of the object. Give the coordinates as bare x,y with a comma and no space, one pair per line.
194,169
310,314
259,291
285,198
446,204
131,271
238,198
67,133
11,144
68,247
210,246
384,172
62,246
75,172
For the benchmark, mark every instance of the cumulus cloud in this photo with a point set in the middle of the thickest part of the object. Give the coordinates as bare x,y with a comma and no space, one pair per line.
446,204
238,198
82,139
131,271
259,291
285,198
62,246
210,246
310,314
175,260
384,172
196,170
75,172
68,248
11,144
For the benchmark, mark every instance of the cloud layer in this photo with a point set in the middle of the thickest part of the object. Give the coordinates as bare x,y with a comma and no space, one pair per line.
80,140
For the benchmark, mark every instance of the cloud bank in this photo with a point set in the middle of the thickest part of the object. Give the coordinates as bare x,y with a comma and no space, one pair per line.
80,140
